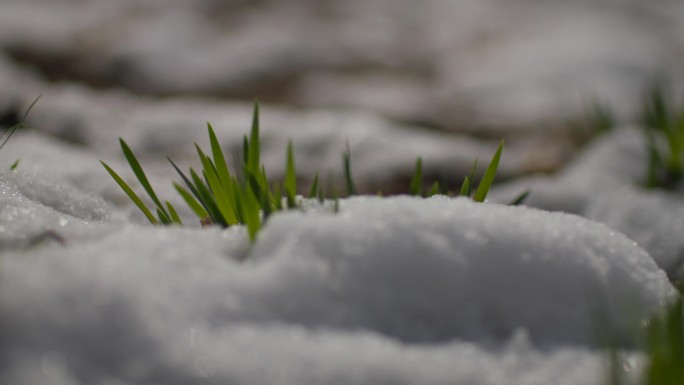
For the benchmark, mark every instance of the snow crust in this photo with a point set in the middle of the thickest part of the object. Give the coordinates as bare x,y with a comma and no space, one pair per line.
396,290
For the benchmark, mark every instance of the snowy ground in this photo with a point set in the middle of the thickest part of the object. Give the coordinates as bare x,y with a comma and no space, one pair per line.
394,290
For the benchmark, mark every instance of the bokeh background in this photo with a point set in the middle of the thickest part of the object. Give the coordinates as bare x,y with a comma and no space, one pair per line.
540,74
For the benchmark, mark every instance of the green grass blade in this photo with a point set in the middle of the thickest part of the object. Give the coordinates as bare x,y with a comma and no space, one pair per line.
163,218
254,151
188,183
313,191
208,200
245,151
239,192
251,211
277,197
416,187
12,130
471,177
336,200
191,201
30,107
488,177
265,194
349,181
8,134
290,177
219,158
140,174
131,194
14,165
175,218
520,199
220,195
434,190
465,187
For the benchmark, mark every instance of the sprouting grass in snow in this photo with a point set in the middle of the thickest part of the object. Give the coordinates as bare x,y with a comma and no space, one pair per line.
214,194
165,215
220,197
7,135
663,124
467,189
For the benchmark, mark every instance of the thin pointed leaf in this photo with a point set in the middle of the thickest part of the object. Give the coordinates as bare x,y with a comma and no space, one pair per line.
253,158
313,191
252,218
9,133
277,197
220,195
207,199
349,181
12,130
465,187
188,183
336,199
290,177
163,218
488,177
131,194
173,213
416,186
434,190
264,197
245,150
140,174
471,177
219,158
30,107
192,202
520,198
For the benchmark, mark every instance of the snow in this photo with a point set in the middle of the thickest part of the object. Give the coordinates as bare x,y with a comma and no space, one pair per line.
393,290
396,290
479,63
603,183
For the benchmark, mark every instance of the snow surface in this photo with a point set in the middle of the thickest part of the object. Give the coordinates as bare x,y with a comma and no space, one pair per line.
604,183
387,291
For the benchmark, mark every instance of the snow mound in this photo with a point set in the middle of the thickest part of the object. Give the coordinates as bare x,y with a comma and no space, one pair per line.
439,269
605,184
396,290
655,220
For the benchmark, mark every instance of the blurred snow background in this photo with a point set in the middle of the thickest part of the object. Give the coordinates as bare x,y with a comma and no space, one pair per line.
396,291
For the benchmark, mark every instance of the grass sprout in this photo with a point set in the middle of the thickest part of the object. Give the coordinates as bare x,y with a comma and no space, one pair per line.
663,124
478,194
246,197
166,214
348,179
5,136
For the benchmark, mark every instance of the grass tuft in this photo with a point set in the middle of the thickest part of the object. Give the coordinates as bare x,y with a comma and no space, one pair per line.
219,197
663,124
